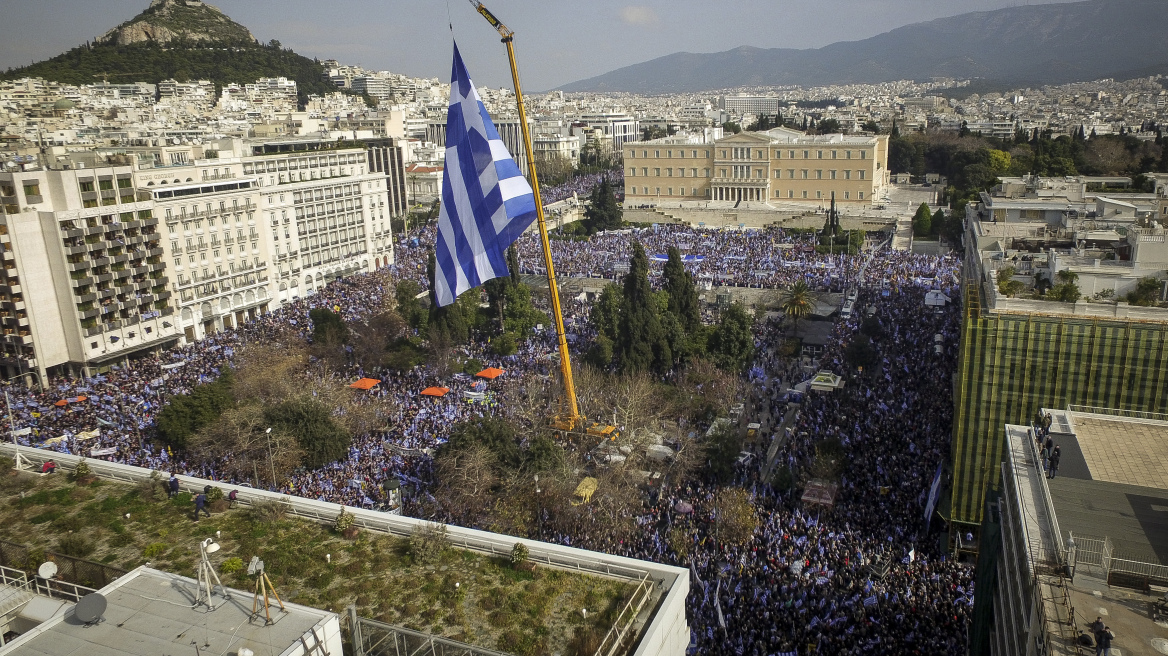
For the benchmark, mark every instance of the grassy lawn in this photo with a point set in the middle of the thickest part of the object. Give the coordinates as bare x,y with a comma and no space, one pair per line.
494,606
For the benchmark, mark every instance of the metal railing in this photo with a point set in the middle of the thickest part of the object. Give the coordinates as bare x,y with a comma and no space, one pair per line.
1118,412
372,638
1096,554
623,626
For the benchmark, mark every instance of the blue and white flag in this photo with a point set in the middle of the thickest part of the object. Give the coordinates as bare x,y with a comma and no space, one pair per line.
934,494
486,201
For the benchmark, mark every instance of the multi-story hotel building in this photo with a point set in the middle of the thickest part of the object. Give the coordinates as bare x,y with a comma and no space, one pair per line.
319,201
779,165
84,282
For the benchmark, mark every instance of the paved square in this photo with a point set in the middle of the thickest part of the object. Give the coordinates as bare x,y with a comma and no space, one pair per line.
1124,451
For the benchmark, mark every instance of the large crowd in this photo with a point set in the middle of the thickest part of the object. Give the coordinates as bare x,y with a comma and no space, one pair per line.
809,575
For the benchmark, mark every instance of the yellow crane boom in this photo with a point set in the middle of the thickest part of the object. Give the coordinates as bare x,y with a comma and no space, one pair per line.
570,414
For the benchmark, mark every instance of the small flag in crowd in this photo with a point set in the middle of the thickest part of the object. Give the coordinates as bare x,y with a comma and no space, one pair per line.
486,202
870,601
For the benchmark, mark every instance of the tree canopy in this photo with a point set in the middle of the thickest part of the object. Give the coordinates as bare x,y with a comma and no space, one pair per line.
641,342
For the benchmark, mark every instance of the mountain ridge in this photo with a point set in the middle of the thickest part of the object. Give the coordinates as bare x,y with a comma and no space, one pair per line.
168,20
1034,44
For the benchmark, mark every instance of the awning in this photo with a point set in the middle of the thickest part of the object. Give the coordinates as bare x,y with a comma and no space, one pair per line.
435,391
365,383
490,373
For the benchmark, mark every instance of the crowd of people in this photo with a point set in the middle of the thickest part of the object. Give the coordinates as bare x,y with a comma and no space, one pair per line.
862,576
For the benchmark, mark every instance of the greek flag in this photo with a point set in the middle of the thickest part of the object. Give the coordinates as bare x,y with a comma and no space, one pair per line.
486,202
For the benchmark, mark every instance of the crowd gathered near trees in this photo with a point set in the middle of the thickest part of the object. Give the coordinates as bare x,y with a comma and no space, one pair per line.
268,404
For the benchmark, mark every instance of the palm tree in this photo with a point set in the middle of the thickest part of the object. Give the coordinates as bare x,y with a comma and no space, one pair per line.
797,302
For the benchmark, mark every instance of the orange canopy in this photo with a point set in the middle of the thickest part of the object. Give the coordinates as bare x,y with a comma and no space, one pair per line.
490,373
435,391
365,383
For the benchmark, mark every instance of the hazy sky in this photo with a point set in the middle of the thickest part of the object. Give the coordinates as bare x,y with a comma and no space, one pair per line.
557,42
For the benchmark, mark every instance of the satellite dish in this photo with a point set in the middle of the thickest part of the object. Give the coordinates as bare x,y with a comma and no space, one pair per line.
90,608
47,570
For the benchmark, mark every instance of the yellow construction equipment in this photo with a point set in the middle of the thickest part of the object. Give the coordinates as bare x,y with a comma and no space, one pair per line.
584,491
569,414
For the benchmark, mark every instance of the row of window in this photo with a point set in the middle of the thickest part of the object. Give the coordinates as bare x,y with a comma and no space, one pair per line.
779,193
754,153
748,172
273,166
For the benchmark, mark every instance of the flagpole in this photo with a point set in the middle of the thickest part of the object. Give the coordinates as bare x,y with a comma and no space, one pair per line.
573,412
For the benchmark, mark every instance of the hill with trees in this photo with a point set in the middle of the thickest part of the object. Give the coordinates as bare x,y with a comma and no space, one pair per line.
181,41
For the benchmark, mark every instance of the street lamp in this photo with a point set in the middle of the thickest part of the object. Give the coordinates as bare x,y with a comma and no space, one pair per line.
271,463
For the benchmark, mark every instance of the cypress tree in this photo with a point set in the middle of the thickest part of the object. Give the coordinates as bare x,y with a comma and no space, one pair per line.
642,343
683,296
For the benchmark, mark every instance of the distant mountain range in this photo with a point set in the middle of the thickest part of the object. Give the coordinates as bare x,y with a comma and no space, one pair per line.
183,40
1029,45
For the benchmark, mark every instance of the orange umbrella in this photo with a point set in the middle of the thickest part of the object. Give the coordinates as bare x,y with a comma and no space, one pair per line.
490,373
82,398
61,404
435,391
365,383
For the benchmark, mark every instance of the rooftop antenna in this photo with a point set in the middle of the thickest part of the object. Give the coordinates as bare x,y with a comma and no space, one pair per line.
263,585
207,574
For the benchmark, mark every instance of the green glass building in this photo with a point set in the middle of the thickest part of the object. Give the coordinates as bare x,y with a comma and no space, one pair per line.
1014,363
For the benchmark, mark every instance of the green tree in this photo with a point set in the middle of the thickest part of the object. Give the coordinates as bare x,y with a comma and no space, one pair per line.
1147,292
328,328
408,305
683,295
641,342
497,435
731,343
1067,289
999,162
312,424
829,126
922,221
860,352
871,126
447,323
797,302
186,414
731,127
1006,284
603,212
606,312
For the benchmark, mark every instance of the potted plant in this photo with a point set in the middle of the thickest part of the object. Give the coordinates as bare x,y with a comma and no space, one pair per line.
346,524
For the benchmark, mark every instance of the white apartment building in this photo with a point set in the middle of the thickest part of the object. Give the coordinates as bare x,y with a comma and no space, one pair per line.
319,202
556,146
84,283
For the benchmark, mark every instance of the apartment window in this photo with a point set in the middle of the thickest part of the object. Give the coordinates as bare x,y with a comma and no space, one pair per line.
645,172
847,175
656,153
681,173
805,193
645,190
847,154
669,173
790,193
778,194
658,191
833,154
644,154
818,174
831,174
790,154
693,173
807,154
632,154
862,173
693,154
778,154
89,202
657,172
707,153
671,191
778,174
790,174
819,194
759,155
705,173
847,195
863,154
105,185
803,174
669,154
861,195
722,173
681,154
760,173
819,154
32,190
87,186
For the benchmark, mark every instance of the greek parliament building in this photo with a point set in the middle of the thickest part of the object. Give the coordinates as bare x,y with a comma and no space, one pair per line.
111,255
779,165
1025,352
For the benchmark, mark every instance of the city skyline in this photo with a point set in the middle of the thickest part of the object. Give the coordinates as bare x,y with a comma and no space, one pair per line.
411,43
